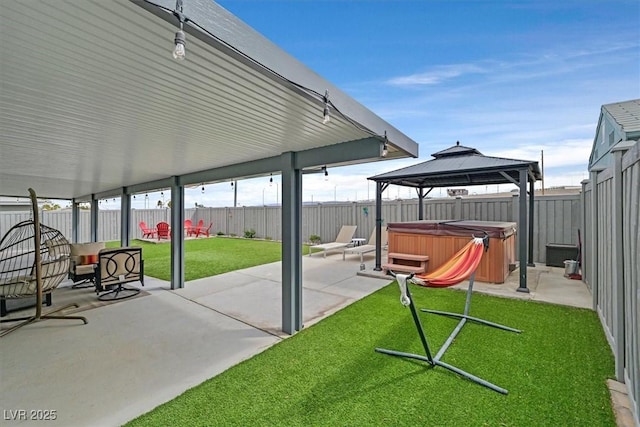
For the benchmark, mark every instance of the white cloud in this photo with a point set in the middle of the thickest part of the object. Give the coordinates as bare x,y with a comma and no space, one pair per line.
437,75
560,153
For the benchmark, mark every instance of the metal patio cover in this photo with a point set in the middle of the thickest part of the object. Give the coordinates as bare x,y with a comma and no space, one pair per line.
93,105
92,100
462,166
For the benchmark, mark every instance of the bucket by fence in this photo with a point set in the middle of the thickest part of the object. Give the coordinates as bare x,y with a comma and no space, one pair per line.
570,267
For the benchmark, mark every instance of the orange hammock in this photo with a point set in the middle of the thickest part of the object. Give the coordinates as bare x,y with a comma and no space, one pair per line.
457,269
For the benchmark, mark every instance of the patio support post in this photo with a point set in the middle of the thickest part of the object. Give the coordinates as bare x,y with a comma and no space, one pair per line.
125,219
530,262
523,232
95,211
291,244
75,221
379,190
177,235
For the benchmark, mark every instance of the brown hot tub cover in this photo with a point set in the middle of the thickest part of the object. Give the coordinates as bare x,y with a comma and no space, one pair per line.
497,230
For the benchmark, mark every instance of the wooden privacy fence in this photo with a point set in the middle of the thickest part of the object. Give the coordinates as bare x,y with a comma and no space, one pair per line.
556,219
611,264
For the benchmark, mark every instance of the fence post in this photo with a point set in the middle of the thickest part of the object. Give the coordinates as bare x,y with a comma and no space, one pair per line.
585,267
594,236
514,207
618,260
458,208
264,219
354,213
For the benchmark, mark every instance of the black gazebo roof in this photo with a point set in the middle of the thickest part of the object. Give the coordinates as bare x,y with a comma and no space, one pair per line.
460,165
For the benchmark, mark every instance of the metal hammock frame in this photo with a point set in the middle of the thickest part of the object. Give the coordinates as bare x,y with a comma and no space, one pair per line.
407,300
18,270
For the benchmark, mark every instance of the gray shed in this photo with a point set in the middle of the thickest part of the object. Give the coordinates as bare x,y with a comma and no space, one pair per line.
619,122
459,165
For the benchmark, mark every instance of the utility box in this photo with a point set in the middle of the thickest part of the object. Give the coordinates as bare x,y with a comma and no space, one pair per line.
558,253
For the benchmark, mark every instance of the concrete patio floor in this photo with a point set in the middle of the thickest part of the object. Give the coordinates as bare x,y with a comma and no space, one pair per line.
136,354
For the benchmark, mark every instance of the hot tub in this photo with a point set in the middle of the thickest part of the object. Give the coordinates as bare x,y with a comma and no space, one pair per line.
440,240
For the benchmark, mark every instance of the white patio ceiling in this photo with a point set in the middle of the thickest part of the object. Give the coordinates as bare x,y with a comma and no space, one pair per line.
92,101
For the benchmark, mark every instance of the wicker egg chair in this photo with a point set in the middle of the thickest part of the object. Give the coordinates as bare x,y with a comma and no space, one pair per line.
27,272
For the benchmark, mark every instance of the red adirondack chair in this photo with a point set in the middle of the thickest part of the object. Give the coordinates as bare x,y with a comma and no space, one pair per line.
163,230
196,230
203,231
146,231
188,227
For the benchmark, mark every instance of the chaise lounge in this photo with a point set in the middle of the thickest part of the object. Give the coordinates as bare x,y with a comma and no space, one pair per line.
369,247
342,240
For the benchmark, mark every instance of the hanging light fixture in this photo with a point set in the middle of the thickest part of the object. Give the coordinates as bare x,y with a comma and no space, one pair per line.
203,188
270,180
179,51
326,117
385,146
326,173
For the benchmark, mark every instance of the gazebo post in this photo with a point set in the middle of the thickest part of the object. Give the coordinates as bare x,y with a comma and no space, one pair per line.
421,196
523,232
379,190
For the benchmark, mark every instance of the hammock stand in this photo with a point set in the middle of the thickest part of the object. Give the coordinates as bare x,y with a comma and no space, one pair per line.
457,269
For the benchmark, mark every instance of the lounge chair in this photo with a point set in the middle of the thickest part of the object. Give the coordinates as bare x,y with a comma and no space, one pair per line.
370,246
342,241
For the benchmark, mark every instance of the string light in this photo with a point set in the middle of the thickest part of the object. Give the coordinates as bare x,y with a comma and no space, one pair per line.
179,51
326,116
326,112
385,147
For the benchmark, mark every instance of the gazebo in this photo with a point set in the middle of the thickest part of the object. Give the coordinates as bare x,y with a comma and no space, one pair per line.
457,166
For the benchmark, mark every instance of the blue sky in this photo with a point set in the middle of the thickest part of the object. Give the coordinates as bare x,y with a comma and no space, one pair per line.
510,78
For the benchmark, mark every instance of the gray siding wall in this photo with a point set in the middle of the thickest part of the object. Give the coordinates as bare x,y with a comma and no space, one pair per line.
611,261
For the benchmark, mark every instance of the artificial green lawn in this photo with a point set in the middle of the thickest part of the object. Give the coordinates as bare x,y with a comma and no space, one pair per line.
329,374
207,257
